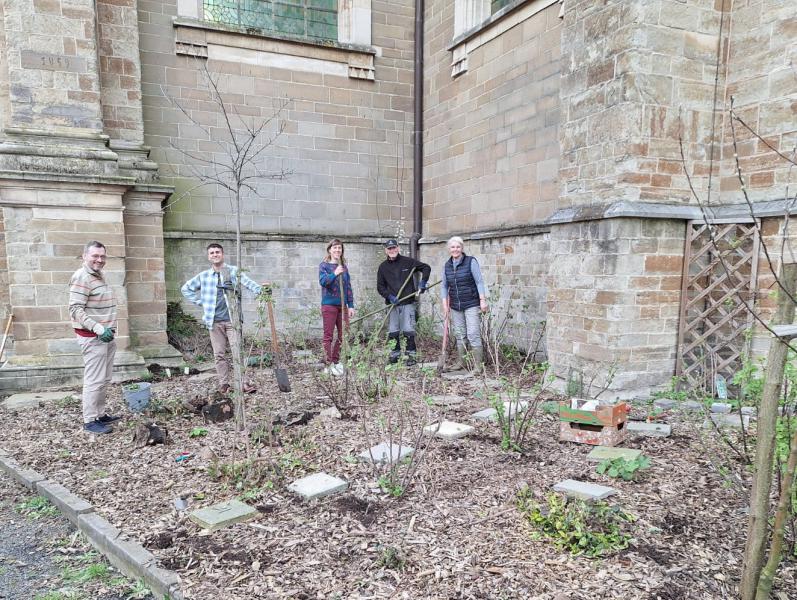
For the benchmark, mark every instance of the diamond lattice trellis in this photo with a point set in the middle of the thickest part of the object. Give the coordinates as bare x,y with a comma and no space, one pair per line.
718,276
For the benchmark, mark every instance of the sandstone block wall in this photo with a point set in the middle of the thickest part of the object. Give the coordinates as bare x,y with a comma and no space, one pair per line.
491,133
344,145
613,300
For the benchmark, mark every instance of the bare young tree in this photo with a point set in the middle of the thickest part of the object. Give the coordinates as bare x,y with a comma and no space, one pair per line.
235,166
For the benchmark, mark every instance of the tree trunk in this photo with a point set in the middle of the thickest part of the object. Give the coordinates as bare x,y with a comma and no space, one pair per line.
755,547
768,574
237,323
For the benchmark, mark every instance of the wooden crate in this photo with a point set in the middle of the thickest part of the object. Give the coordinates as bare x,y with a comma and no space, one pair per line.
604,426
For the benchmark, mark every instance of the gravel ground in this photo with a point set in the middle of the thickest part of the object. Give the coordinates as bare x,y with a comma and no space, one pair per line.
36,549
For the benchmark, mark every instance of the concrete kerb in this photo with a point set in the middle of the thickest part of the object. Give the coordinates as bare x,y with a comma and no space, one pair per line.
129,557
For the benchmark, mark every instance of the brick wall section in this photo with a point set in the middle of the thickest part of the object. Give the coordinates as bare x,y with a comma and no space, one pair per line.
44,247
763,83
491,134
614,297
292,266
515,268
629,95
52,60
120,69
346,141
145,270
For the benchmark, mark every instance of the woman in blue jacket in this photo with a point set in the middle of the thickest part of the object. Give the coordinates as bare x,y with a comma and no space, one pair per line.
333,311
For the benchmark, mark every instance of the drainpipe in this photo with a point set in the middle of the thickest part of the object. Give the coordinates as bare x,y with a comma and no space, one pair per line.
417,150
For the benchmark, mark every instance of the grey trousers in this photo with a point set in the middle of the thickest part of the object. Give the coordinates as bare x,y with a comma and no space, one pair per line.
402,319
97,372
467,325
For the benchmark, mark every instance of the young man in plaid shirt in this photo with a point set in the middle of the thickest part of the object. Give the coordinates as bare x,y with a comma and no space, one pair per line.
207,290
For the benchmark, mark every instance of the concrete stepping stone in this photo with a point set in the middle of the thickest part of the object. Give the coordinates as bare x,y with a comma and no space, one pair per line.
428,365
649,429
203,376
664,403
584,490
448,430
487,414
34,399
457,375
318,485
731,420
691,406
721,408
601,453
385,452
447,400
222,515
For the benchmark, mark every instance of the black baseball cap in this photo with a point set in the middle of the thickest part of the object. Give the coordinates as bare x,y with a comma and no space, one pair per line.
391,244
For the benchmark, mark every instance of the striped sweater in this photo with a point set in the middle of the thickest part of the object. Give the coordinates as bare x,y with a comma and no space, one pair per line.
92,305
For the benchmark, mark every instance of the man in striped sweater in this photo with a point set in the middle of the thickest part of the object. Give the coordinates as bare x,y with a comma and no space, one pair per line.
92,310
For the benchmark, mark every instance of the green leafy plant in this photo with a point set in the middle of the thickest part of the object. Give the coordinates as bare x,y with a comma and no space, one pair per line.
37,507
391,557
623,468
198,432
592,529
138,591
98,571
390,486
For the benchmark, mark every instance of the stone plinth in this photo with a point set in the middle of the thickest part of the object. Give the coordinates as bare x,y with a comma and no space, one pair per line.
318,485
223,514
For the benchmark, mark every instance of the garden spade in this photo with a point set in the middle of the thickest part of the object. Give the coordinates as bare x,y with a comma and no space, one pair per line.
279,372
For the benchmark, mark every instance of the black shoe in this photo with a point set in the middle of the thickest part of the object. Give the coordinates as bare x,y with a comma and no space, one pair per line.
97,427
393,359
106,419
410,360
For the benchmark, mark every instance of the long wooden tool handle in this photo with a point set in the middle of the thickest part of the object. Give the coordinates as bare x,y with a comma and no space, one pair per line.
5,335
274,344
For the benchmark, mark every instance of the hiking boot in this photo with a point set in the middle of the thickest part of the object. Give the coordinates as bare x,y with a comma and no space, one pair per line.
478,361
107,419
97,427
410,360
459,364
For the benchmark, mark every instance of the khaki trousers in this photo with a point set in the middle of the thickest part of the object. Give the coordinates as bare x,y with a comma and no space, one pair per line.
97,372
223,334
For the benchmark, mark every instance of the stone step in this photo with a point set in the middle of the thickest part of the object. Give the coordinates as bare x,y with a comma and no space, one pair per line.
385,452
490,414
457,375
721,408
222,514
448,430
203,376
649,429
731,420
584,490
601,453
664,403
318,485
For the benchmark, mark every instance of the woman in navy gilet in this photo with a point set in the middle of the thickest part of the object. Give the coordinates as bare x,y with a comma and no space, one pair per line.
464,295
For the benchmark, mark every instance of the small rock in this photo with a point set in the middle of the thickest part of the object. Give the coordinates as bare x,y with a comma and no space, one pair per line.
664,403
721,408
330,413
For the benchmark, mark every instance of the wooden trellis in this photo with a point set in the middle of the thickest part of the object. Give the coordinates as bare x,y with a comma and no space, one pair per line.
718,274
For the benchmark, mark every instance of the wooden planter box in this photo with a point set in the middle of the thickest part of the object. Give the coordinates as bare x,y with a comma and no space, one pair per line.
604,426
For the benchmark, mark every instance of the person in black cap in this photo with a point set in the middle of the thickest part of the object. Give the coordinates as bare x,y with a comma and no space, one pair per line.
391,275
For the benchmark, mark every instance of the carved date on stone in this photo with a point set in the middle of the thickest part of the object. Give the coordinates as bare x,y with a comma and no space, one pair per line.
52,62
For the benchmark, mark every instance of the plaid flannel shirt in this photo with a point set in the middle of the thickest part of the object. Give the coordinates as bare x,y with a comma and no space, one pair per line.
202,291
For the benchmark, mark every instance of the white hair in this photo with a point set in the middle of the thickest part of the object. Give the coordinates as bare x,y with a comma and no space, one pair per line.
456,239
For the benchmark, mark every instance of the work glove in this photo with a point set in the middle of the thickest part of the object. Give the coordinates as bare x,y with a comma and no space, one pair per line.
392,299
422,287
107,335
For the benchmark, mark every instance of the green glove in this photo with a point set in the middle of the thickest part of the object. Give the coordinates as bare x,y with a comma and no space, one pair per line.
107,335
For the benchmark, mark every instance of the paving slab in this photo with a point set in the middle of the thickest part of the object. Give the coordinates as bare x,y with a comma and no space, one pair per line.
447,400
332,413
203,376
601,453
732,420
457,375
69,504
318,485
35,399
750,411
385,452
448,430
721,408
584,490
487,414
664,403
223,514
428,365
649,429
691,406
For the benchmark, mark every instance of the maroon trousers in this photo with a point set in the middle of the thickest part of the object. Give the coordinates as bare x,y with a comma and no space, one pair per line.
332,317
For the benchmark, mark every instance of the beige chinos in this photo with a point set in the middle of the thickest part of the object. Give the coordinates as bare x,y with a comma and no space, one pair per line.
97,372
223,334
